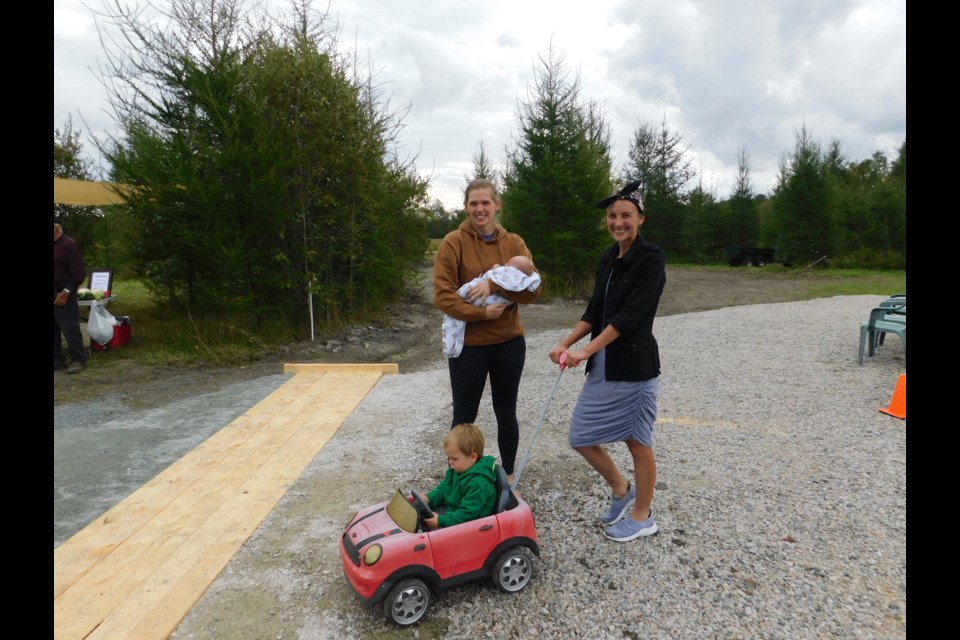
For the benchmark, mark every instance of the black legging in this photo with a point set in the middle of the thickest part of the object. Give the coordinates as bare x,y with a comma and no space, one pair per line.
468,377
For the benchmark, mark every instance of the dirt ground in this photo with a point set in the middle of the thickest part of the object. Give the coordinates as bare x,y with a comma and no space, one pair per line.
411,338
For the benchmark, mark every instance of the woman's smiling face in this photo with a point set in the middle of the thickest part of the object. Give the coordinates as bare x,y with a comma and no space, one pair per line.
482,209
623,221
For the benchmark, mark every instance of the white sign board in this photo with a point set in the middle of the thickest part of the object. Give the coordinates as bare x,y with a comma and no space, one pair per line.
100,280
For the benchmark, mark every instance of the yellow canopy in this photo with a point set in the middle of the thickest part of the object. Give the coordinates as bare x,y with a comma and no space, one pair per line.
87,192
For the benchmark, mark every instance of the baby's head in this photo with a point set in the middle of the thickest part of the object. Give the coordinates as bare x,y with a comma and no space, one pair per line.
464,446
523,263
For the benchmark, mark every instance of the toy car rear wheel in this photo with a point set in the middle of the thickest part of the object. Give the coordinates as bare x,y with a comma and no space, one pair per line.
513,570
407,602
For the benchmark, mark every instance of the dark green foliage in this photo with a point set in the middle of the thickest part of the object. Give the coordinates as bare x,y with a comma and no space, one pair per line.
664,170
741,224
852,212
804,206
702,216
557,170
100,231
872,214
265,170
439,221
482,166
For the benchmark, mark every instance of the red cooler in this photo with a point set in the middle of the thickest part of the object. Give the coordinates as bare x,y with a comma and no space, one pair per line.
122,332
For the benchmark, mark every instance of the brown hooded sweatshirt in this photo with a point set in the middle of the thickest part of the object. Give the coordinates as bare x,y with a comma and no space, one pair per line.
464,255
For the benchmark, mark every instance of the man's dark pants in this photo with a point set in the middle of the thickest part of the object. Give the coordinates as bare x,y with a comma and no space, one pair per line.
66,321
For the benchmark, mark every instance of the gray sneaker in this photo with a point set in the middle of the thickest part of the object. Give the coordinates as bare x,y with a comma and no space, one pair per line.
628,529
77,366
620,507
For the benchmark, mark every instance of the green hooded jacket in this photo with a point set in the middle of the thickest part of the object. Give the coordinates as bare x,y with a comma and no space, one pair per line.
466,496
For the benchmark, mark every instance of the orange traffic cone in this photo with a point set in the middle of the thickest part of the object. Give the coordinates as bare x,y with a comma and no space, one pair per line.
898,403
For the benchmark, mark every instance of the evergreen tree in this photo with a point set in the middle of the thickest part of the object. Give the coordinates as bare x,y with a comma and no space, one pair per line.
895,211
898,168
440,221
264,164
703,211
742,226
804,204
557,168
860,231
482,166
656,159
874,214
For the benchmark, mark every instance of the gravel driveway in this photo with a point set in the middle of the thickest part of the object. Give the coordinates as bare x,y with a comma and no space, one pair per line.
781,499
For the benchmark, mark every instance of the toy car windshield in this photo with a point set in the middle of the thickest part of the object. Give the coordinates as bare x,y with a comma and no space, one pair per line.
402,512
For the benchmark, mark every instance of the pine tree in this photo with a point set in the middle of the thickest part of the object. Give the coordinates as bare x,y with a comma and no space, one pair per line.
657,159
557,169
804,204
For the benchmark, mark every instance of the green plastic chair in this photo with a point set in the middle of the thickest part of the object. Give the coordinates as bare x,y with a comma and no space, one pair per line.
878,324
897,312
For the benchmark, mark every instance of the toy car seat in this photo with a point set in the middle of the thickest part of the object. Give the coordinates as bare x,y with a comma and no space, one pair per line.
505,498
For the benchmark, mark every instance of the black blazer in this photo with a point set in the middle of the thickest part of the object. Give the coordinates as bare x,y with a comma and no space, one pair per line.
626,294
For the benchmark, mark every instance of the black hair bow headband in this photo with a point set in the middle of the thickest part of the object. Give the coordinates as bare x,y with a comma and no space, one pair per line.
630,191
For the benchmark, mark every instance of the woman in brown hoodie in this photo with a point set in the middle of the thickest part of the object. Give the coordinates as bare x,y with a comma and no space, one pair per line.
493,343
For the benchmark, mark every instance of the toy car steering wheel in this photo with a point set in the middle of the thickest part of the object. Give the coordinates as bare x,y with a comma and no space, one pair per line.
421,505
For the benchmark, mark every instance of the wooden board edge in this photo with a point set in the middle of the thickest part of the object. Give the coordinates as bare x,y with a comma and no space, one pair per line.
318,367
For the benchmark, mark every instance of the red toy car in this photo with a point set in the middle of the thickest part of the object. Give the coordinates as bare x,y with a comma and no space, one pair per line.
390,556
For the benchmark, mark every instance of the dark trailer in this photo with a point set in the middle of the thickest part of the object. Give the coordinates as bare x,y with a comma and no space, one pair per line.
749,256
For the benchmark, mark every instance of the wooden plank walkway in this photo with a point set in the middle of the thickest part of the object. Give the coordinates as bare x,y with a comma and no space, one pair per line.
135,572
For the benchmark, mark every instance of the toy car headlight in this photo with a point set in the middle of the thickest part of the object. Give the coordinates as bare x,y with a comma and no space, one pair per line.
372,554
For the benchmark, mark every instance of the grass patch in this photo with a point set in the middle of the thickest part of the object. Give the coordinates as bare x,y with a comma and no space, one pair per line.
164,336
855,282
829,282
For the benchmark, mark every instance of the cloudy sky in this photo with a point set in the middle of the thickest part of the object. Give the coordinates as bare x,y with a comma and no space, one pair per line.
722,74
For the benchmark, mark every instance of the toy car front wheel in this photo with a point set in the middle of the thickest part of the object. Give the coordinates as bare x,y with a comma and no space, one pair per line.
513,570
407,602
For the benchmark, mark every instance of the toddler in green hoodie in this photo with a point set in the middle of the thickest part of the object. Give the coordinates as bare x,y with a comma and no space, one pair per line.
468,490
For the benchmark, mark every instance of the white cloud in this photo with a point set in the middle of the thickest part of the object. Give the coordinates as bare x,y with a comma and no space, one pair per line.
72,22
724,74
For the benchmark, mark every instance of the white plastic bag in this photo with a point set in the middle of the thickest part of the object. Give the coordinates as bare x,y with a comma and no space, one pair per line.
100,324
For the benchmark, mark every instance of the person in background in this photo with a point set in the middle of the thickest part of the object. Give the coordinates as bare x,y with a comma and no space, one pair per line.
618,401
468,489
493,343
68,274
518,274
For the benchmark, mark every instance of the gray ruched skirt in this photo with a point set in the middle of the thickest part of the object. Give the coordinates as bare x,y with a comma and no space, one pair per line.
613,411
